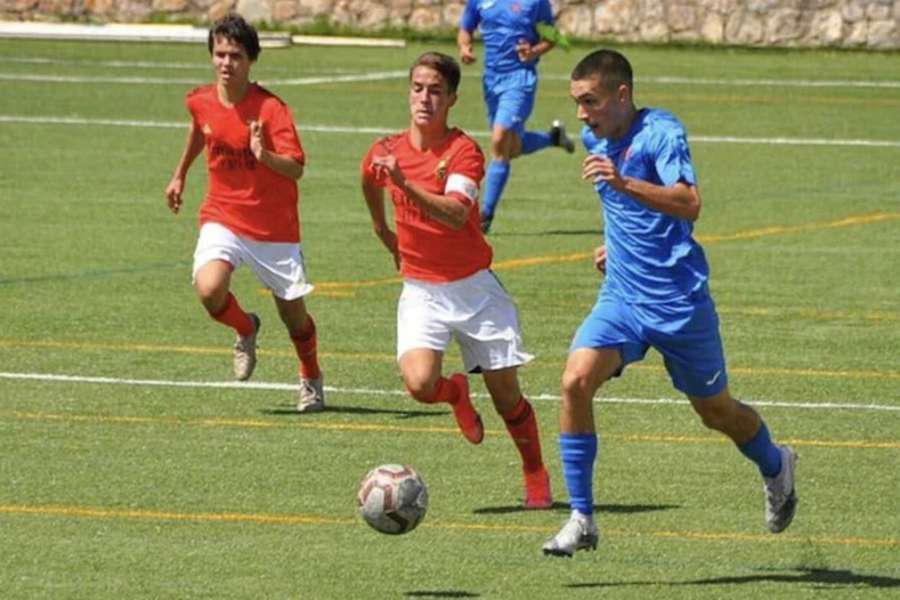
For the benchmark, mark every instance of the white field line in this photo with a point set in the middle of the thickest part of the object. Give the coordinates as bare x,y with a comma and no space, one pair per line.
709,139
673,80
350,78
247,385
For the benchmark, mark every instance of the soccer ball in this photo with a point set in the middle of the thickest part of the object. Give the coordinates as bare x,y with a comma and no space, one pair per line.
392,499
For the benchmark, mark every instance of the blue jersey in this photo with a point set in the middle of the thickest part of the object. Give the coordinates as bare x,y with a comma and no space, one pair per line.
651,257
503,23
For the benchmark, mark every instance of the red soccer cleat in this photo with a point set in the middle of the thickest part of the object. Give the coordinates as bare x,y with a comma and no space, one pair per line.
537,490
467,418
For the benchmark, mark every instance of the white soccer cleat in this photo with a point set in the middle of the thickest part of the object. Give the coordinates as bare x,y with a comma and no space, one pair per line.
560,138
245,351
781,499
311,397
579,533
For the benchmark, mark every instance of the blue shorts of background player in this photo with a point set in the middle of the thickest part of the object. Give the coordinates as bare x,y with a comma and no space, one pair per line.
510,99
685,333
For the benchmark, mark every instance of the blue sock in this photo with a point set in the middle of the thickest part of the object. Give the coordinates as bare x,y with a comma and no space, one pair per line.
532,141
578,451
495,181
763,452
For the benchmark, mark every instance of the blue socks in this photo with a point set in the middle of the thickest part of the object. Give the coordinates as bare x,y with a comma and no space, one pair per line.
495,181
578,452
763,452
532,141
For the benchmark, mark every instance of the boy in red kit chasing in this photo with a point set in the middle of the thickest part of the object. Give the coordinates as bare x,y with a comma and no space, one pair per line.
250,214
432,173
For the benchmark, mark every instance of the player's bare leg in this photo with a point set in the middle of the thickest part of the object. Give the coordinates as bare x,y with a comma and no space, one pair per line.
586,370
747,430
212,283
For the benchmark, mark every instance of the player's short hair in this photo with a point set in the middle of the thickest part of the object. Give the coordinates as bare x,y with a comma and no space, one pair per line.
235,28
442,63
609,66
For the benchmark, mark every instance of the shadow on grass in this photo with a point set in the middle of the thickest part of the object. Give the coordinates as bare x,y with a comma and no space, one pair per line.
820,577
289,410
441,594
621,509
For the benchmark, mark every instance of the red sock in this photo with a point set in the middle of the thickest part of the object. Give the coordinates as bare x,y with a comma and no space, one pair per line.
305,345
444,391
522,427
234,316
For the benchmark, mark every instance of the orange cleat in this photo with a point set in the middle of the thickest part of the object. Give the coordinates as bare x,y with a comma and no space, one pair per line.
537,490
467,418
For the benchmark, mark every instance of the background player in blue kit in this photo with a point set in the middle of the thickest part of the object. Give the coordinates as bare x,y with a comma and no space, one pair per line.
512,48
655,294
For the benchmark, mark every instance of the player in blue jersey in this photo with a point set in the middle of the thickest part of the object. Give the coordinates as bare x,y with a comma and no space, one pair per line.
512,48
655,294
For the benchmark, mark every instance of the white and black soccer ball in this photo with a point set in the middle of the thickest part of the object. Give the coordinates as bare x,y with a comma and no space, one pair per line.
392,498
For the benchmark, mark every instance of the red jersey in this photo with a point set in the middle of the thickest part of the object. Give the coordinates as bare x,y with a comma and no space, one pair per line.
429,249
244,195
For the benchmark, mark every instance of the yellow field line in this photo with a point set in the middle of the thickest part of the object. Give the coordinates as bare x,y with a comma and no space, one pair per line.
268,519
848,221
218,350
380,428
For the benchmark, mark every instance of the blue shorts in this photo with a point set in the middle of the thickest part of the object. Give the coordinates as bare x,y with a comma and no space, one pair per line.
510,98
685,333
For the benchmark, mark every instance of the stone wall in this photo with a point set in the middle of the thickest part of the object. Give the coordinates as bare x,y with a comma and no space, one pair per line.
873,24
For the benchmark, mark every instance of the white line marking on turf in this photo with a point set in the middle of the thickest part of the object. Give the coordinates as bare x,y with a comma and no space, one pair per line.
49,377
663,79
199,81
711,139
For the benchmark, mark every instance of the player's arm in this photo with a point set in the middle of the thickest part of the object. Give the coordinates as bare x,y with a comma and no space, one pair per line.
283,164
444,208
465,43
192,148
374,196
528,53
680,200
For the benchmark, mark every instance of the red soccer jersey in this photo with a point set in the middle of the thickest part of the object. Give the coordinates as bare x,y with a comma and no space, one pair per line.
244,195
430,250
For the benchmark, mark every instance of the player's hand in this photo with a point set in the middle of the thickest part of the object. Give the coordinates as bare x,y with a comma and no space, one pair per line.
600,258
387,166
600,168
173,194
525,51
467,55
256,140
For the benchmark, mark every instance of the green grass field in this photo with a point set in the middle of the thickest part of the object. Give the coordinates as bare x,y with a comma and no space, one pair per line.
120,483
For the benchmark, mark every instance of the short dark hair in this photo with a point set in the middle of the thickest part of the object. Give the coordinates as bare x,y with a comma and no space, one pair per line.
235,28
442,63
609,66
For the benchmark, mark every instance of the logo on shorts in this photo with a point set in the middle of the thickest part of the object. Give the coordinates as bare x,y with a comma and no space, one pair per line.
714,377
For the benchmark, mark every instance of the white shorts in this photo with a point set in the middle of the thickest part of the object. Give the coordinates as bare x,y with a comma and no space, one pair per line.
476,310
277,265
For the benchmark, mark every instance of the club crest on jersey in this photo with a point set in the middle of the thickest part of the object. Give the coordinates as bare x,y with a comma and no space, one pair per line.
516,7
441,170
207,130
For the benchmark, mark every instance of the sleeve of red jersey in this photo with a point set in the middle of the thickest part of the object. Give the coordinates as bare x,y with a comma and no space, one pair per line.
365,167
464,174
281,130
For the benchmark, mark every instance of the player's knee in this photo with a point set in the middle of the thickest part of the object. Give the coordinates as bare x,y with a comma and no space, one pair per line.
421,389
212,297
576,384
